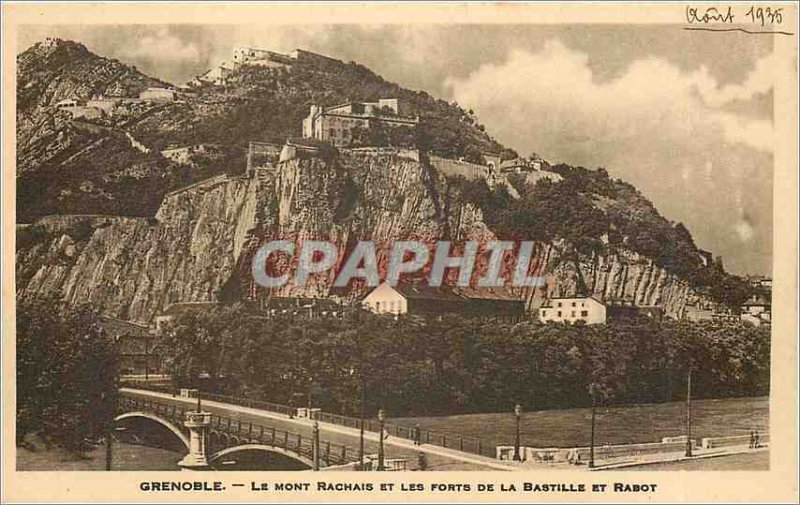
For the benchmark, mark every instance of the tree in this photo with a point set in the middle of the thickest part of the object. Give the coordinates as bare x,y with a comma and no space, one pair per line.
444,365
67,372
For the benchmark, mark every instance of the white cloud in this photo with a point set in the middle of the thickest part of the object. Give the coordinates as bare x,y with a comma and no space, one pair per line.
653,98
162,46
668,130
759,81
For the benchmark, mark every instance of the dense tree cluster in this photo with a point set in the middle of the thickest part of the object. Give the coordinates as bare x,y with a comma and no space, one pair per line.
418,366
67,373
380,135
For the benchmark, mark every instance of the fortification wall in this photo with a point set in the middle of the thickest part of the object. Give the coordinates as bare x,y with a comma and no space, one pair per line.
464,169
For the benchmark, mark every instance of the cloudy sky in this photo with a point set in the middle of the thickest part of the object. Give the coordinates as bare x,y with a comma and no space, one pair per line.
684,116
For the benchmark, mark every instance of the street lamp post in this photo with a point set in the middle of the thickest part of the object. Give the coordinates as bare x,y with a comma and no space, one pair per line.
518,415
591,436
315,447
109,441
361,424
689,414
381,421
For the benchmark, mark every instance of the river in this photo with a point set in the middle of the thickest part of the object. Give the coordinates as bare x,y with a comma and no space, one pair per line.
125,457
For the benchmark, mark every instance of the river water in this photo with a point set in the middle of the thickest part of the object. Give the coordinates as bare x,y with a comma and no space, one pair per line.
125,457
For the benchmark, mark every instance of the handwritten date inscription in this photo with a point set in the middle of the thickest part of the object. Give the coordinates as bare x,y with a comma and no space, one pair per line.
756,15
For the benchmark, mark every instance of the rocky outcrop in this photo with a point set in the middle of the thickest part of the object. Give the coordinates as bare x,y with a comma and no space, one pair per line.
132,268
202,237
621,276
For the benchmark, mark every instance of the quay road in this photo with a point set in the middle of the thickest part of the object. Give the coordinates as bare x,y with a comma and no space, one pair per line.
438,458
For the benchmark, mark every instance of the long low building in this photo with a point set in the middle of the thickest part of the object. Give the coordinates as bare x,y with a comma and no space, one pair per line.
421,299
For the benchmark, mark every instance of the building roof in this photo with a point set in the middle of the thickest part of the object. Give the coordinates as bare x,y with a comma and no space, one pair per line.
500,293
286,302
757,301
180,308
422,291
305,142
517,162
118,327
548,302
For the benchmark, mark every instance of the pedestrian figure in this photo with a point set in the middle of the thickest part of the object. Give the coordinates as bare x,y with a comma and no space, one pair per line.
752,439
416,434
422,461
755,440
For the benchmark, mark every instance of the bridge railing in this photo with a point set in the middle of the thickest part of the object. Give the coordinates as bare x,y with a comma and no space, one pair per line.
248,402
330,453
447,440
453,441
232,400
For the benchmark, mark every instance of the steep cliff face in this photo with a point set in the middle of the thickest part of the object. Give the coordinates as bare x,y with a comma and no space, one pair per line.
134,267
361,196
624,275
203,236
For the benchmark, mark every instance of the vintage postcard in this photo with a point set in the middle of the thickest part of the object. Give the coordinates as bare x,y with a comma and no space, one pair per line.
399,252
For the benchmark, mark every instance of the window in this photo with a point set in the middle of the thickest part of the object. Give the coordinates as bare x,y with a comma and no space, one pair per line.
559,313
573,304
573,313
559,304
584,313
377,306
583,304
544,313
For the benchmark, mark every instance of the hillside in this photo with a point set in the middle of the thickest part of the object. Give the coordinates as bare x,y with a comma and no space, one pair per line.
93,167
158,244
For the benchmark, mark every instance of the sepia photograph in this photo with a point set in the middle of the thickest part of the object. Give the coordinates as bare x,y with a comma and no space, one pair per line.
396,247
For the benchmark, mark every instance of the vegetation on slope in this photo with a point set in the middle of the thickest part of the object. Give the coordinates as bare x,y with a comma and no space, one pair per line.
269,105
70,166
593,215
419,366
67,372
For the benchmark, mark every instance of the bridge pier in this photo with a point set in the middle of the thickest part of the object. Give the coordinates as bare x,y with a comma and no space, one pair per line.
197,459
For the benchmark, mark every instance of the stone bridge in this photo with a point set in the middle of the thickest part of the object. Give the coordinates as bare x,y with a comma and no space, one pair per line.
225,429
209,439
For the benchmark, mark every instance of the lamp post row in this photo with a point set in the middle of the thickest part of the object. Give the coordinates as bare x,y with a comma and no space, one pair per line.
688,452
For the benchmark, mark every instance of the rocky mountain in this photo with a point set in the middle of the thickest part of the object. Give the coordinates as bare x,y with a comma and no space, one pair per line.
198,246
67,165
112,165
134,230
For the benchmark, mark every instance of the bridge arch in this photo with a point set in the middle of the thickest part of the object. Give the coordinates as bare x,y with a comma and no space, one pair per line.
260,447
171,427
